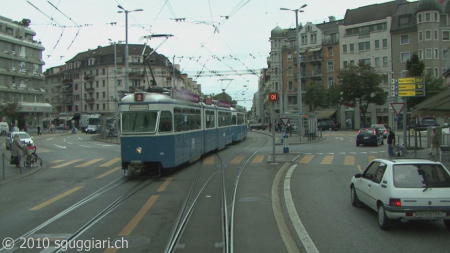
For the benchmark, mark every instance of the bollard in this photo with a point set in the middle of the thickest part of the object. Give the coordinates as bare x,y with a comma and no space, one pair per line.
286,144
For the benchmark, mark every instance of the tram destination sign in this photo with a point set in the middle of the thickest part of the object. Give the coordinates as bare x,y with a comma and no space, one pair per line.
408,87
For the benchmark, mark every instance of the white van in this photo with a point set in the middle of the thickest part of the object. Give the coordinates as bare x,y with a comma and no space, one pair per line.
4,128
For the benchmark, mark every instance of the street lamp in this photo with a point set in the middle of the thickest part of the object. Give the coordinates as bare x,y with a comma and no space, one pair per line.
116,97
299,77
126,41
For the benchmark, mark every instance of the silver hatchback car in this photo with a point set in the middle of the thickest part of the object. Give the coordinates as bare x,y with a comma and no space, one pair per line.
23,136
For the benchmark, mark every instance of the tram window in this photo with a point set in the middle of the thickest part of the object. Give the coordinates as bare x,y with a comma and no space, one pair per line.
198,119
240,119
165,122
233,120
138,122
178,119
192,120
209,119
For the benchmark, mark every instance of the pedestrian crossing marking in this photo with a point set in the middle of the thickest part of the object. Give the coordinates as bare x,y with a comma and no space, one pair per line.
108,172
328,159
66,164
48,202
258,159
306,159
349,160
209,160
113,161
371,158
89,162
237,160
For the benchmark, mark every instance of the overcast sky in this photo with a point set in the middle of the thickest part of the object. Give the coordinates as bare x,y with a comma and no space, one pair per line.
214,35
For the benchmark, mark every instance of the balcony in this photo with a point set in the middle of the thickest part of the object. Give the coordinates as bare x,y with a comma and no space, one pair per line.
89,77
89,100
89,89
67,90
68,80
136,75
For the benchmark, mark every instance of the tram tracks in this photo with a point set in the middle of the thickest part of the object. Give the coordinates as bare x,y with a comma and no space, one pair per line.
227,208
96,217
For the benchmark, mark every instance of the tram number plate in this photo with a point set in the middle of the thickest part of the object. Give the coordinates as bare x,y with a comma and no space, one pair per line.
429,214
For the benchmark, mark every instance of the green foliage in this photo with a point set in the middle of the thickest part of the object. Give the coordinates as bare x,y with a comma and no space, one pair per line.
333,96
415,66
361,85
10,109
314,95
222,97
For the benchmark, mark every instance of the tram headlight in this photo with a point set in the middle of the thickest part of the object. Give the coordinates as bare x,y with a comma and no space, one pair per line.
139,150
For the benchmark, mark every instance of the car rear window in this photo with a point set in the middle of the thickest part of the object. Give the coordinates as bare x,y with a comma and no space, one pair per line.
366,131
421,176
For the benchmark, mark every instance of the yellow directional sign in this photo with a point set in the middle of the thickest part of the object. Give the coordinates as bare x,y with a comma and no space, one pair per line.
406,86
410,93
410,80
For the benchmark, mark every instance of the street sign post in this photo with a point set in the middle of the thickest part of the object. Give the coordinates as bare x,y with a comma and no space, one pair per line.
408,87
397,107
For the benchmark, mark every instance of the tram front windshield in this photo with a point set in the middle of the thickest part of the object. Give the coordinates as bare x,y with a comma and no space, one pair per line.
139,122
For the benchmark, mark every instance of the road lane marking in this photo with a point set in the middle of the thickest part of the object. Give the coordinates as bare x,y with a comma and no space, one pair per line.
328,159
108,172
48,202
237,160
110,162
209,160
306,159
66,164
89,162
139,215
258,159
307,242
349,160
359,168
165,184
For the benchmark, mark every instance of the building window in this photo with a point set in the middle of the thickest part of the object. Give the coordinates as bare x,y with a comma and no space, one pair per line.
404,39
385,44
427,71
363,46
352,48
290,72
436,53
436,17
377,44
352,62
436,32
103,72
428,53
304,39
377,62
330,51
419,18
365,61
290,85
420,34
404,56
330,66
385,61
313,38
421,54
427,34
289,56
445,35
330,81
427,17
344,49
103,83
444,54
345,64
436,72
104,107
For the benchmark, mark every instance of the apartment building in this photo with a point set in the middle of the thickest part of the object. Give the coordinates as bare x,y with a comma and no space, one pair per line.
92,81
21,78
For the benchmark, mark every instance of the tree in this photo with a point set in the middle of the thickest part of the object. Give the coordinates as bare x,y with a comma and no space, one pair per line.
314,95
333,96
11,109
361,85
416,68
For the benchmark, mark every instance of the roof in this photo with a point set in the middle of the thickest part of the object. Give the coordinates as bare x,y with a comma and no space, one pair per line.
437,105
405,17
369,13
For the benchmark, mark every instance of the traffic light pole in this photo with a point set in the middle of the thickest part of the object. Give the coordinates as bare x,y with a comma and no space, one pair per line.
272,120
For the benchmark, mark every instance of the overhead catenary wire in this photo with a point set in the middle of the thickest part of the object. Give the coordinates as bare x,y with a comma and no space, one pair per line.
76,35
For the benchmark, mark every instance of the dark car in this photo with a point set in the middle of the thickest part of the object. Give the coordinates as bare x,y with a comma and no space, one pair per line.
369,136
423,125
383,128
328,125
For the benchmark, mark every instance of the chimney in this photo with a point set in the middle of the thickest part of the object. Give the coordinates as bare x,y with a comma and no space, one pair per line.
331,18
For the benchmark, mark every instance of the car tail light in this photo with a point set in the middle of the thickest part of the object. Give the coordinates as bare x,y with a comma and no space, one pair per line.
374,132
395,202
359,131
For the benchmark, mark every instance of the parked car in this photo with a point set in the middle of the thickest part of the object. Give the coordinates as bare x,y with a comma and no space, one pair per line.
91,129
328,125
383,128
403,189
371,136
423,125
23,136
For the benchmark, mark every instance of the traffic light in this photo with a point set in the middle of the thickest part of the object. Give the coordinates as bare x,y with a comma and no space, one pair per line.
273,96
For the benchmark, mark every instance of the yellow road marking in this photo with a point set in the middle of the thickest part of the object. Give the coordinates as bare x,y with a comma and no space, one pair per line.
108,172
258,159
371,158
165,184
67,163
237,160
328,159
57,161
48,202
89,162
110,162
110,250
359,168
209,160
139,215
349,160
306,159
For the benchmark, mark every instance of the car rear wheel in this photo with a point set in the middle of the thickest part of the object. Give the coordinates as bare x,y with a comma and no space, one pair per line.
354,197
383,221
357,144
447,224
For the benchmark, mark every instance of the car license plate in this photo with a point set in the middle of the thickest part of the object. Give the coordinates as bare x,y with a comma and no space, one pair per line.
366,137
429,214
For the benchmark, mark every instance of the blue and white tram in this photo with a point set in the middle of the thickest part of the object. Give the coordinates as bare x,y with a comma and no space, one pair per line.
159,132
238,123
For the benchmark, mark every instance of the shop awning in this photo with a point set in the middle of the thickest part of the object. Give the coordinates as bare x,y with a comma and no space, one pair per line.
437,105
35,107
325,114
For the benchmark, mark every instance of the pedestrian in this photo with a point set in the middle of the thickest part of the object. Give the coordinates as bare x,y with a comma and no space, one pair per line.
15,129
390,142
434,142
38,129
288,129
17,149
270,126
